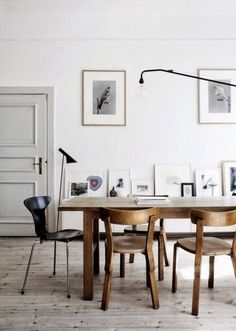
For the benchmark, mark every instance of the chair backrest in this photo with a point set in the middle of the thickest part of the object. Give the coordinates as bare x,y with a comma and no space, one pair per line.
37,206
130,217
214,218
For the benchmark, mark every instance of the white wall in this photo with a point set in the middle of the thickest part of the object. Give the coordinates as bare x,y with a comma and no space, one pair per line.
49,43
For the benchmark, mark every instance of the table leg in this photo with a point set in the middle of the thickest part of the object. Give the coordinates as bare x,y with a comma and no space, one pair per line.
96,245
88,255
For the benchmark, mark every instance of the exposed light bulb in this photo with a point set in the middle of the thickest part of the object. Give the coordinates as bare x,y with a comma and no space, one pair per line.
141,90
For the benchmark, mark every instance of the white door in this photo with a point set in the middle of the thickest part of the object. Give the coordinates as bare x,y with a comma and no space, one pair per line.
23,159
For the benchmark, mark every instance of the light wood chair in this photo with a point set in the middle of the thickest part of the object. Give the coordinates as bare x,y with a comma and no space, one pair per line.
205,246
129,244
160,236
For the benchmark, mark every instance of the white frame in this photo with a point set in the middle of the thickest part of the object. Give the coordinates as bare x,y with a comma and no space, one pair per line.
114,176
210,184
115,105
149,183
83,176
78,183
226,166
168,178
225,92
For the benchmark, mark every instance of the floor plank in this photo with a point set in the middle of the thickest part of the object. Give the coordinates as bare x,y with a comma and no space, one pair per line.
44,306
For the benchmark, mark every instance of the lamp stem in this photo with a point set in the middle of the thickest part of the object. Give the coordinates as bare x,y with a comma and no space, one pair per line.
60,189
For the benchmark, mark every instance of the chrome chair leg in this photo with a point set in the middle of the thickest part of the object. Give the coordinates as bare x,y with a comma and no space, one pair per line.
28,266
67,270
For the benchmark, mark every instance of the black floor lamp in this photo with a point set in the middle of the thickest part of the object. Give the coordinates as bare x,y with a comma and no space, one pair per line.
65,157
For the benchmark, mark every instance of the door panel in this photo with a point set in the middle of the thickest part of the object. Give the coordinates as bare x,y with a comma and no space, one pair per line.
23,143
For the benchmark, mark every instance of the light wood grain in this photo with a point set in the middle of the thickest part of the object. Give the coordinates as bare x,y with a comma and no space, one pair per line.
45,307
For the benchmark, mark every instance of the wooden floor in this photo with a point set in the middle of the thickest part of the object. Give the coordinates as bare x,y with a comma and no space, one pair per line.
46,307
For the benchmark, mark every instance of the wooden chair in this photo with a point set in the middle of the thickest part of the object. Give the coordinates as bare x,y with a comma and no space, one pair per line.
129,244
160,236
205,246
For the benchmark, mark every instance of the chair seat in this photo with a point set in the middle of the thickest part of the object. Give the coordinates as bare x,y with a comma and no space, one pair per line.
211,246
64,235
141,229
129,244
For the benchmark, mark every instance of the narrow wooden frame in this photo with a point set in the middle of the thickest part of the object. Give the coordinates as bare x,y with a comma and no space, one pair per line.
104,97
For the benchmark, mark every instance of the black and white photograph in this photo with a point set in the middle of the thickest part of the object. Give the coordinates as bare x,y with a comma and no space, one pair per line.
104,97
229,177
78,189
187,189
143,187
217,101
219,97
208,182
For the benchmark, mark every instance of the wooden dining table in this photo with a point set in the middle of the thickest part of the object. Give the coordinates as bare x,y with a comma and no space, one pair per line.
174,208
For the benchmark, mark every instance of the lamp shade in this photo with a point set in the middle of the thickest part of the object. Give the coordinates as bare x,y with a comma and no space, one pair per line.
69,159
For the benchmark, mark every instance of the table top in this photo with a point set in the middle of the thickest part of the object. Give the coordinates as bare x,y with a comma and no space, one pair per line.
95,203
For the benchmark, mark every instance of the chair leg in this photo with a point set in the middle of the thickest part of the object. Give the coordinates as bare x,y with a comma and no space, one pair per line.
211,272
131,258
174,273
196,284
54,257
107,280
167,263
67,270
233,259
122,265
147,272
28,266
160,257
106,290
152,279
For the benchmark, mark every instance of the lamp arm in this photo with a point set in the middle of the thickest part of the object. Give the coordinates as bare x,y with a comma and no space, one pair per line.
141,80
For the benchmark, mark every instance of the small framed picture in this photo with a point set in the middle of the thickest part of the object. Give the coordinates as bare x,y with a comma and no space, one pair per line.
104,97
142,187
187,190
119,181
169,177
78,189
229,177
217,101
208,182
95,180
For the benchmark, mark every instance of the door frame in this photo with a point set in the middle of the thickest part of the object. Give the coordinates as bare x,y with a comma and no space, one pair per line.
49,93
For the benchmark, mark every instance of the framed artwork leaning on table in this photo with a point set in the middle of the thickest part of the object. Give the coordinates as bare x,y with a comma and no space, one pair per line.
168,178
229,177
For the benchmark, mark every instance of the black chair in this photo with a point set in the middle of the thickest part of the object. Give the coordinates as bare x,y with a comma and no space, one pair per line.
37,206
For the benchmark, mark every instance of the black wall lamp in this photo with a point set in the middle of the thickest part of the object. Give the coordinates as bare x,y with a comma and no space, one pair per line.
141,80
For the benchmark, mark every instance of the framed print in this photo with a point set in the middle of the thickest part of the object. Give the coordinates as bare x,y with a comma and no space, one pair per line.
95,180
208,182
78,189
168,179
217,102
120,181
104,97
187,190
229,177
142,187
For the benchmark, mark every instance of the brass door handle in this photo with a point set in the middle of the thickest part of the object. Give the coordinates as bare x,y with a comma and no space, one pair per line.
40,165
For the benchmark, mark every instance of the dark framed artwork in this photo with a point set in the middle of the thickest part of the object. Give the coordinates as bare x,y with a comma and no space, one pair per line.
187,189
